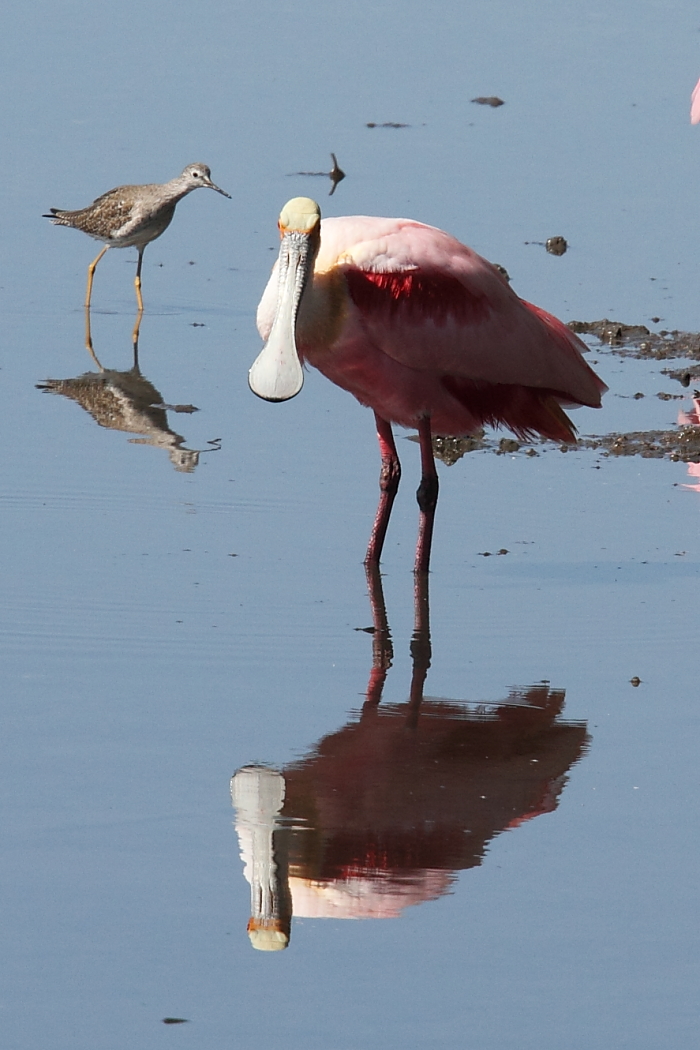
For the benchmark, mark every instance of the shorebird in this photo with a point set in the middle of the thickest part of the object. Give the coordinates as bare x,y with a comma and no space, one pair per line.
133,216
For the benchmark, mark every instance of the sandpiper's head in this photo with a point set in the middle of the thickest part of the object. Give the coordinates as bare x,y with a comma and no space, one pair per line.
196,175
277,374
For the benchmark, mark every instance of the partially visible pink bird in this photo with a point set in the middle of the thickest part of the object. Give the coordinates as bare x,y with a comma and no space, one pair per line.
695,105
422,330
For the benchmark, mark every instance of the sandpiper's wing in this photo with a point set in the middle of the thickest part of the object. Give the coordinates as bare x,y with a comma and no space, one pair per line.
106,217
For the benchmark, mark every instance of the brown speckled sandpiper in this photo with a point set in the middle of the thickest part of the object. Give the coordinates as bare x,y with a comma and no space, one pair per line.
133,216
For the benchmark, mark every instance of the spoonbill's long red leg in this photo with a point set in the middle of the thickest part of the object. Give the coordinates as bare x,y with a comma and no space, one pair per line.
427,496
389,478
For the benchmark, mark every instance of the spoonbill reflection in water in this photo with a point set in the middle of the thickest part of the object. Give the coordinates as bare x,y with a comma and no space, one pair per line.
422,330
386,811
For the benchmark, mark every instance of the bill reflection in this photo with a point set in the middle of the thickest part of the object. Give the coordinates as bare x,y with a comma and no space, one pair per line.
384,812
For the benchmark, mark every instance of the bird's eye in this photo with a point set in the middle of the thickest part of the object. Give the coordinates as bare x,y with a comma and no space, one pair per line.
195,174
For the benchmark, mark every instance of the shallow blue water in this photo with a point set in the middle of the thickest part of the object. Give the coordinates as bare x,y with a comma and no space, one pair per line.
162,629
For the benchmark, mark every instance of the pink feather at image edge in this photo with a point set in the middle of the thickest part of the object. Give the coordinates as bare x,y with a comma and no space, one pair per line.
695,105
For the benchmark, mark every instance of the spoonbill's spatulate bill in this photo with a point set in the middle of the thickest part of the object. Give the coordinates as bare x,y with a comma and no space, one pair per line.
422,330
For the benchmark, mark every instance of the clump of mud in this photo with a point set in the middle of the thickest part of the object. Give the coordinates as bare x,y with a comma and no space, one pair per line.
556,245
635,340
682,445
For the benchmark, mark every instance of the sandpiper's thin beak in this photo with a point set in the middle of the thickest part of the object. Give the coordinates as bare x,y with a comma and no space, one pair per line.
212,186
277,374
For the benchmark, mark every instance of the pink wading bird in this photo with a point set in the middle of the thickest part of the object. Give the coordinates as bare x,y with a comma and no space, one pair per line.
695,105
422,330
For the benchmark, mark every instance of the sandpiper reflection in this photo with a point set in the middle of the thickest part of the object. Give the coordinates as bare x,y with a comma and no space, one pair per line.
127,401
384,812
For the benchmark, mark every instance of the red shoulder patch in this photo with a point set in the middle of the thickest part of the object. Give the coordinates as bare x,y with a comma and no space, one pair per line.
416,296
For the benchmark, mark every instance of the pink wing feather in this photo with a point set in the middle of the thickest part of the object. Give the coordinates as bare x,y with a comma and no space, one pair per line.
433,305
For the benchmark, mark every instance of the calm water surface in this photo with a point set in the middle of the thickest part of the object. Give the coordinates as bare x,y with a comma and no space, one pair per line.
502,852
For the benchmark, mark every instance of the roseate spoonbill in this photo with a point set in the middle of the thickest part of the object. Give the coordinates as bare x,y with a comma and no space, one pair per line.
422,330
133,216
695,105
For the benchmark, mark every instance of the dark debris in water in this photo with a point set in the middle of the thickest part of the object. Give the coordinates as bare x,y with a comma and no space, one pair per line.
681,445
489,100
175,1020
336,174
556,245
450,449
386,124
635,340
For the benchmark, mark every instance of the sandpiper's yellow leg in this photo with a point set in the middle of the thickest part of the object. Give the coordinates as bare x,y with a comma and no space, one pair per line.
88,339
91,274
135,333
137,285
